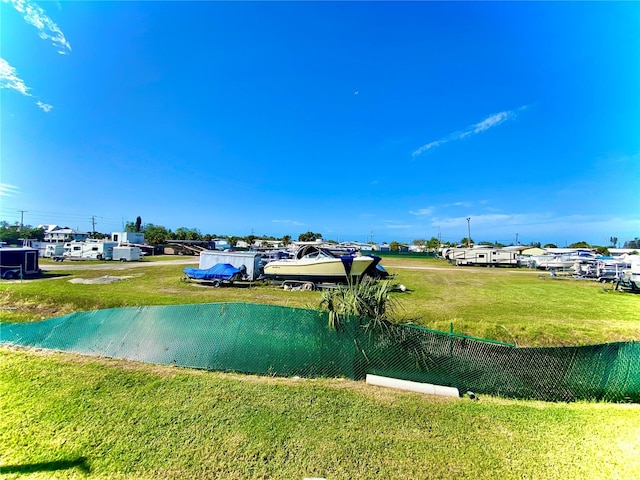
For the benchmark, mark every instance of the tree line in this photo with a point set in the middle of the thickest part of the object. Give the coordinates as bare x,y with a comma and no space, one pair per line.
12,234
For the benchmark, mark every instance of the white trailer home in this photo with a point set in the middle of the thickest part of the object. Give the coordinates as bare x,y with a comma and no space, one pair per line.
89,250
483,256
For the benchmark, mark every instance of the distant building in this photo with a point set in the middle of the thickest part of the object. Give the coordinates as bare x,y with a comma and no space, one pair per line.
128,237
64,235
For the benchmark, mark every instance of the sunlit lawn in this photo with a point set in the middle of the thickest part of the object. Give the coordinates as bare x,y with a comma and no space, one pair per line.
66,416
517,306
76,417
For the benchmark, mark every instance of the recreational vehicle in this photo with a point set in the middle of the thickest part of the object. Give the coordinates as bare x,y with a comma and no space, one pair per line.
89,250
482,256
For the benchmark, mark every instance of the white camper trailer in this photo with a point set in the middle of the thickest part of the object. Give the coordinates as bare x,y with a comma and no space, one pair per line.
89,250
483,256
126,254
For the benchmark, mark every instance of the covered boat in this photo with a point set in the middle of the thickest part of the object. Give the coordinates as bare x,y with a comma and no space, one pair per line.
322,265
220,271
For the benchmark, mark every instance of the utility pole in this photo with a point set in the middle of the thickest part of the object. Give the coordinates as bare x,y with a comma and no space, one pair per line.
22,212
93,225
516,239
468,232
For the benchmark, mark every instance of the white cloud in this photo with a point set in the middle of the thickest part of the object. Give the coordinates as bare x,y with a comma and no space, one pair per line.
7,190
543,226
47,29
44,106
491,121
399,226
290,222
422,211
459,204
9,79
494,219
396,225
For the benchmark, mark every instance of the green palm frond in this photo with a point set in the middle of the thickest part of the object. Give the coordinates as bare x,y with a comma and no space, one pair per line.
365,298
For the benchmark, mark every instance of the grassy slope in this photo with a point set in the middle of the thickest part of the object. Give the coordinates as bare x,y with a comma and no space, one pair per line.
515,306
518,305
76,417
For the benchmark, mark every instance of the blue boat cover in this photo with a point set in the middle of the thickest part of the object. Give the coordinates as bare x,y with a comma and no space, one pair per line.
220,271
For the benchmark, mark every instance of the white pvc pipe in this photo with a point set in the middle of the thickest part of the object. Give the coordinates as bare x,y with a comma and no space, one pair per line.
427,388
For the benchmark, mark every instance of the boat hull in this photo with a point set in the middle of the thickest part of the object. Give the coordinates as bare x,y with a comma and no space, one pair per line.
329,270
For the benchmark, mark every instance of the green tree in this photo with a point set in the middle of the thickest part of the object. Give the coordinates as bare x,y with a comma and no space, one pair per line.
183,233
467,242
550,245
286,240
33,233
138,224
156,234
13,234
394,246
433,243
10,233
309,237
635,243
250,239
580,245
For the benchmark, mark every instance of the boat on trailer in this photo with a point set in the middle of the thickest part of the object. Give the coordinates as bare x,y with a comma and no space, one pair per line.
315,265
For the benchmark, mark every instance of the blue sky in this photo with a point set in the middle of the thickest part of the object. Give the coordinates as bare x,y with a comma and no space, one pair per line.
357,120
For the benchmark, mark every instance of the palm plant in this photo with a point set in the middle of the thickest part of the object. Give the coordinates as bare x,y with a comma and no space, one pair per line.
365,298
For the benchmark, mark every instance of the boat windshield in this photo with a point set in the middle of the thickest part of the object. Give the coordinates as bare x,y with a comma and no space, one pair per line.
318,254
311,251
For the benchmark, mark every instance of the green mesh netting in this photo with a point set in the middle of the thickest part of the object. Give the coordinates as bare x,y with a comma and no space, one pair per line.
283,341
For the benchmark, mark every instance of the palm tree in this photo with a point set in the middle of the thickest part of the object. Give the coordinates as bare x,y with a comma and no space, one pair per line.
365,298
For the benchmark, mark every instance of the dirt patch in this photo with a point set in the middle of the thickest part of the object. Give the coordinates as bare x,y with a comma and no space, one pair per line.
13,308
100,280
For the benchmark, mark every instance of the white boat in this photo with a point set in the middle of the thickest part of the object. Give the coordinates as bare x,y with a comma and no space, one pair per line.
561,261
322,265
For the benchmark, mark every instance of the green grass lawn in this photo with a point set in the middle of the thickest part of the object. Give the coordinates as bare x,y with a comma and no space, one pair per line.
519,306
66,416
73,417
